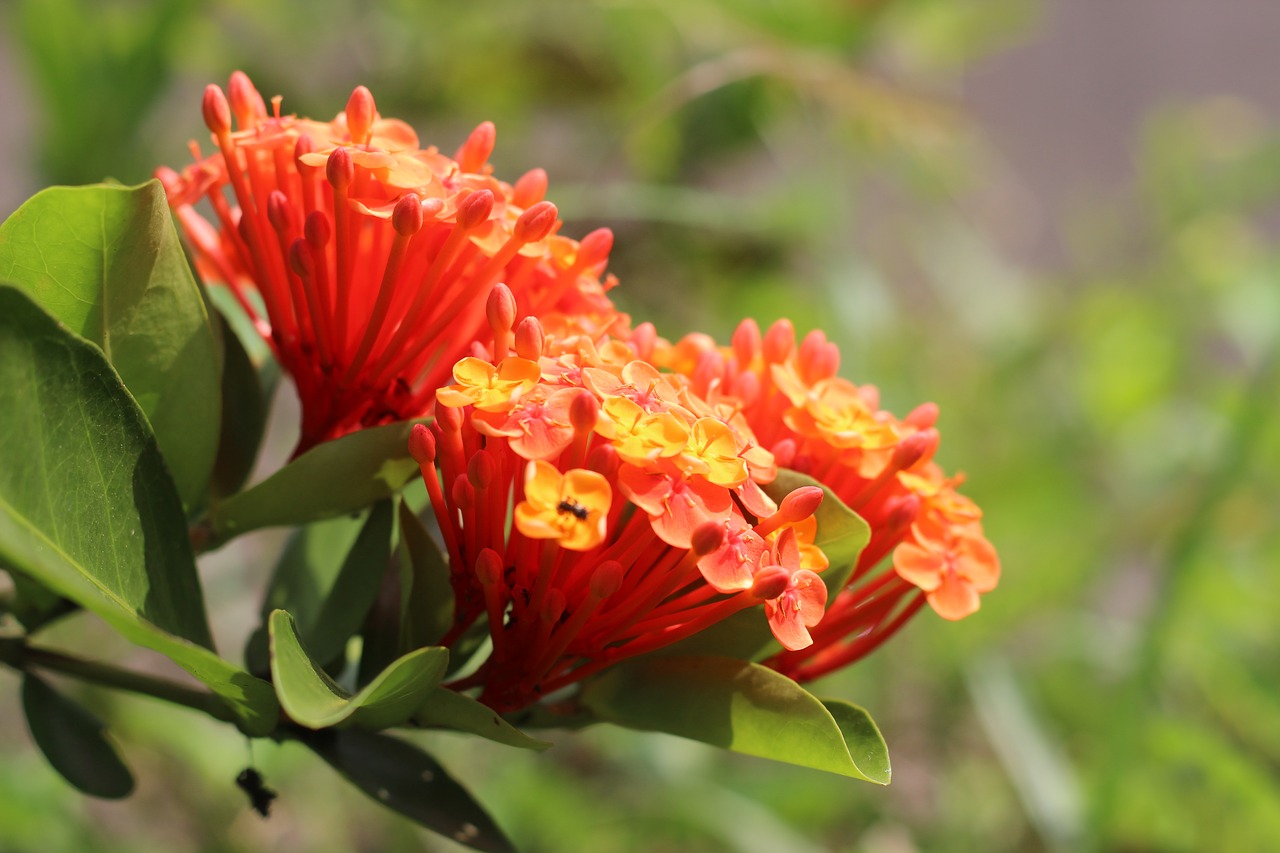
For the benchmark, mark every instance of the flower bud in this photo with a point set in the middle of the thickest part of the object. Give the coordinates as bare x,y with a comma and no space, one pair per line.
422,444
406,217
360,113
536,222
474,209
475,152
530,189
339,169
606,579
488,567
217,113
770,582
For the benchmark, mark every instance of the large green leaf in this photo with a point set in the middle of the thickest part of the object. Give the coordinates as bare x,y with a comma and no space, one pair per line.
407,780
106,261
426,594
87,508
450,710
740,706
312,699
74,741
337,477
327,578
244,417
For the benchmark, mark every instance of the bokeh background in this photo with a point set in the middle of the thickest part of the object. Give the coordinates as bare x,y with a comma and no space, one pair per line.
1056,219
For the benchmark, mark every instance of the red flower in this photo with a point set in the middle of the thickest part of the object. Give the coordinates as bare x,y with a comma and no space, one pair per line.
879,465
621,542
364,260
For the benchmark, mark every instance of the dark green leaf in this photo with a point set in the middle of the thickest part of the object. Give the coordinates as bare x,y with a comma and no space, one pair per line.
244,418
337,477
380,633
327,578
74,741
106,262
842,534
311,698
740,706
450,710
407,780
33,605
87,508
426,593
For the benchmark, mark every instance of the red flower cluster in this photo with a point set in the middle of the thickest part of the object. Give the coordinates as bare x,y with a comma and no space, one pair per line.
598,489
637,517
818,424
363,259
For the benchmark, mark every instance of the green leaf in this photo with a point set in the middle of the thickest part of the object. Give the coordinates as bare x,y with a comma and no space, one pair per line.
88,510
340,476
244,418
312,699
332,580
862,736
33,605
407,780
426,593
842,533
448,709
106,262
74,741
743,707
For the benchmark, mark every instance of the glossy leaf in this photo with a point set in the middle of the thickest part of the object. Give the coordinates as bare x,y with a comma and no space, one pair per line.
88,510
448,709
74,741
407,780
244,418
739,706
425,591
106,262
340,476
312,699
842,533
333,586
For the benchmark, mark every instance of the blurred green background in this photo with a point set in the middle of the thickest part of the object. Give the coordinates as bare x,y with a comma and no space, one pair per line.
1057,220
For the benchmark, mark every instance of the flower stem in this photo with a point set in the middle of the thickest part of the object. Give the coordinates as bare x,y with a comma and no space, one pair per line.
17,654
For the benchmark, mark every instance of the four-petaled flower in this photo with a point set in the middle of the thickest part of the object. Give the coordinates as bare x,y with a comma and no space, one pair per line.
568,507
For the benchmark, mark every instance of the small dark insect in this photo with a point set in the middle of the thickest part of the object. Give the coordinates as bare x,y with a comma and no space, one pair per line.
260,796
578,510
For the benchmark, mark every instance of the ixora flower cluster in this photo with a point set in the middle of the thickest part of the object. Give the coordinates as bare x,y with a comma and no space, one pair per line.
370,258
600,493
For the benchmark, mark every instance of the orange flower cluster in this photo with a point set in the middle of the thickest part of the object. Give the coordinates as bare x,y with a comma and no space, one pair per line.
638,516
598,489
363,259
880,466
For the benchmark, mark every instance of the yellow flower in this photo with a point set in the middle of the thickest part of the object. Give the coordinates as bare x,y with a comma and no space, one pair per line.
489,388
571,507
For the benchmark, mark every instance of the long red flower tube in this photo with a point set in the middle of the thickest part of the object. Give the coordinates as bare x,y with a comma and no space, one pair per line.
365,260
637,514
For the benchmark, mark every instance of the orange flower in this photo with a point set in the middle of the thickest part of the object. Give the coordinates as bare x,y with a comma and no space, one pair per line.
629,531
365,261
811,420
569,507
952,569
